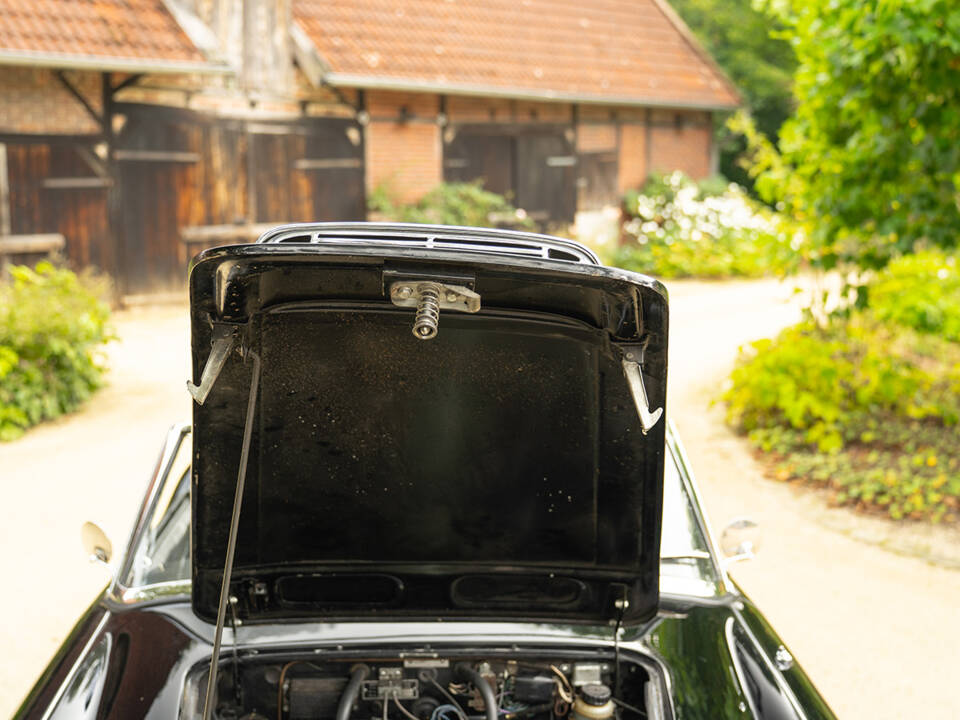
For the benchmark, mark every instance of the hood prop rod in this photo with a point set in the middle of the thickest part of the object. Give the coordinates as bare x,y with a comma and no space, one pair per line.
232,537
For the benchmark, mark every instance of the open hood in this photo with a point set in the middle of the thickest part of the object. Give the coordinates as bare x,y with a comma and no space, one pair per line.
511,466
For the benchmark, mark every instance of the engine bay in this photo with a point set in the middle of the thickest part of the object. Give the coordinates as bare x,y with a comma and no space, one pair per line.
428,688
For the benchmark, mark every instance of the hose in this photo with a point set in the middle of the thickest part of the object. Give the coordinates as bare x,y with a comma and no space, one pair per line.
486,692
352,691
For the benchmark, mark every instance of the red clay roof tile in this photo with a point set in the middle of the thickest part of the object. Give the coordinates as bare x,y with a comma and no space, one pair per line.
125,31
605,50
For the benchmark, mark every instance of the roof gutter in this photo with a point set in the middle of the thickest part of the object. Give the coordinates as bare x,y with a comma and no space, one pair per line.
402,84
66,61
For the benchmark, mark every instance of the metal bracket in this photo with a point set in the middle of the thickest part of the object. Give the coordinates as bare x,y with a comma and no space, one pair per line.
632,359
429,297
225,339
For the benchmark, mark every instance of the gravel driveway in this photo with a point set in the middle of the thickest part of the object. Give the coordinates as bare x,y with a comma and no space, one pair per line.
878,632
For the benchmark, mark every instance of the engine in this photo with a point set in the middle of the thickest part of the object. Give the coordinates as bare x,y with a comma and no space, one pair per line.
426,688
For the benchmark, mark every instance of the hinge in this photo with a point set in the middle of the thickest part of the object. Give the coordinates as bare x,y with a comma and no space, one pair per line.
224,339
633,371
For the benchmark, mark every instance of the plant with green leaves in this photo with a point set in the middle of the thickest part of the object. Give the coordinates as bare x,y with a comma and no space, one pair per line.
866,404
53,325
450,204
871,158
747,44
677,228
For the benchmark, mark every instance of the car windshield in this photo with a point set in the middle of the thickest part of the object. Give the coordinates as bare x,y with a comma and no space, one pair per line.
162,554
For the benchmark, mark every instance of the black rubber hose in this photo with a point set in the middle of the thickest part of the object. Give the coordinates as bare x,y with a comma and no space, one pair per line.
352,691
486,692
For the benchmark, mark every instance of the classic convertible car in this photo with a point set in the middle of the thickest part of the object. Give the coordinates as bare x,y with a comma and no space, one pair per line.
429,477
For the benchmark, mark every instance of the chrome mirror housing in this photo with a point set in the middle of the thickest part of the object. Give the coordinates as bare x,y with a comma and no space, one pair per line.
740,540
95,543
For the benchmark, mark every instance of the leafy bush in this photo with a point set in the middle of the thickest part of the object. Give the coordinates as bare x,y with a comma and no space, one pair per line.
675,228
828,385
920,291
867,405
52,325
450,204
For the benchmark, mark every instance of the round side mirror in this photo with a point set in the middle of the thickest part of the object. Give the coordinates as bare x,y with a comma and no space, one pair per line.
95,543
740,539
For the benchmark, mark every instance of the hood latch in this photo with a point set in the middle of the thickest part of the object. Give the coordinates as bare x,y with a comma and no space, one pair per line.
429,296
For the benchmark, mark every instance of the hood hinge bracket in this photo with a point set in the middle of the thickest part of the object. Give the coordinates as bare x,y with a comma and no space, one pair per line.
633,371
224,339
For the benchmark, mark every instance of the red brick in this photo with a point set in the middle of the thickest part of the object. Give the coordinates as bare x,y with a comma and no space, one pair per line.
406,157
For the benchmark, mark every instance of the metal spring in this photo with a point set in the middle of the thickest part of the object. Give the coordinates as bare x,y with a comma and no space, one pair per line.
425,324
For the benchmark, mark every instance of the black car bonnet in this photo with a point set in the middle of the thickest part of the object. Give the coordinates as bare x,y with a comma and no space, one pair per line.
498,469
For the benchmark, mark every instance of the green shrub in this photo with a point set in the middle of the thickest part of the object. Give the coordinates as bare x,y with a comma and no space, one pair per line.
52,325
675,228
866,408
921,291
450,204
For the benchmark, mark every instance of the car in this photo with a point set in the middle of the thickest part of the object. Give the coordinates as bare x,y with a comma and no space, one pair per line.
429,476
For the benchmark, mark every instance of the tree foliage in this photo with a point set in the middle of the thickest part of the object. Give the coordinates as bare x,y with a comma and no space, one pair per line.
871,158
744,42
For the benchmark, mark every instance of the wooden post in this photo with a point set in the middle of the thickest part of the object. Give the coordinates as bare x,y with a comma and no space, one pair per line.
114,192
5,223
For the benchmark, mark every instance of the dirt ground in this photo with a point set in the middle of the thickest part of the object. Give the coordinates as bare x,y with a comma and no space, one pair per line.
879,632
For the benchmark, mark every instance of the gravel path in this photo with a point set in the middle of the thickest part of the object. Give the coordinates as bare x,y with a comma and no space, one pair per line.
878,632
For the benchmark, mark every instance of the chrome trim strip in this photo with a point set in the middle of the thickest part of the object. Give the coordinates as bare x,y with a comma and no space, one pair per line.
512,242
168,453
738,666
76,666
693,495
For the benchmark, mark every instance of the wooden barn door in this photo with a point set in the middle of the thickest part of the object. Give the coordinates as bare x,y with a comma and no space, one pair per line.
306,171
180,169
546,176
158,167
61,188
534,167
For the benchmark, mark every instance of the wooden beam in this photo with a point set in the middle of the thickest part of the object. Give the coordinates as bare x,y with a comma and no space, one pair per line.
114,256
156,156
326,163
27,244
75,183
93,161
132,80
80,99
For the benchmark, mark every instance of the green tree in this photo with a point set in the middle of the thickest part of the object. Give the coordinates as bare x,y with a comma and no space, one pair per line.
873,150
745,44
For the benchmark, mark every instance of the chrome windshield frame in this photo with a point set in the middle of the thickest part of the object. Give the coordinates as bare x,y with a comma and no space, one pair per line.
118,591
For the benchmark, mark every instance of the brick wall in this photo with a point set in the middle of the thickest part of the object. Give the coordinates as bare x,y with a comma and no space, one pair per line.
33,102
596,137
680,141
403,150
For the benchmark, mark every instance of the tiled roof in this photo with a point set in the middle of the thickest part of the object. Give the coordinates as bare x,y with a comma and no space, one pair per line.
108,34
634,51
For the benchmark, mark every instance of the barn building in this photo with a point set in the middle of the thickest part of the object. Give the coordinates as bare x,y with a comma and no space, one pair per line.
143,130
